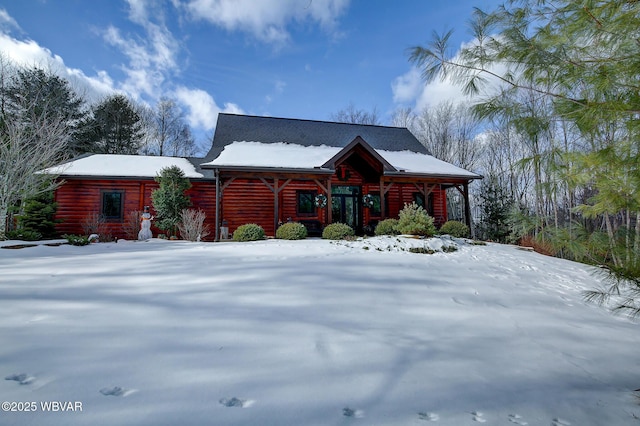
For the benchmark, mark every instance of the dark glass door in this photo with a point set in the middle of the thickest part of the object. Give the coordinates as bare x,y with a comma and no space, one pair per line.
345,206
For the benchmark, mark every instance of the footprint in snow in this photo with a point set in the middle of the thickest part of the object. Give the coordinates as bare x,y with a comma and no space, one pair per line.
22,378
478,416
560,422
430,417
348,412
236,402
517,419
116,391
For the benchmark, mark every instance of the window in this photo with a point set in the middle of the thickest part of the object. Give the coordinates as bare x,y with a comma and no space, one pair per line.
419,200
112,202
306,203
375,209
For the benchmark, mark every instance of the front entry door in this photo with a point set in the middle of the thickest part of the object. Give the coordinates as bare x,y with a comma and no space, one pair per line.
345,206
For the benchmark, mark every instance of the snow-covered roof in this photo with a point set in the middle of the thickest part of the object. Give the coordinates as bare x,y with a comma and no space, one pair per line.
115,165
293,156
413,162
285,155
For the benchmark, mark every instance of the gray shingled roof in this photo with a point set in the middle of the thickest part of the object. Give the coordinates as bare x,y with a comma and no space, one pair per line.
236,128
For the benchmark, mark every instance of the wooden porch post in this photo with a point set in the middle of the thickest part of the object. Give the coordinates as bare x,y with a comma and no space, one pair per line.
276,205
326,188
329,203
467,207
217,230
383,213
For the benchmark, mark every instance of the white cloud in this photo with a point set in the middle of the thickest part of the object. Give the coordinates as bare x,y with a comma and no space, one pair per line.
203,110
152,57
7,23
410,88
146,72
267,20
279,86
29,53
406,87
138,11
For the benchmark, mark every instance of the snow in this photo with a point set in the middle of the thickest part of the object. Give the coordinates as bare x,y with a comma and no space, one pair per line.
116,165
294,156
310,332
413,162
282,154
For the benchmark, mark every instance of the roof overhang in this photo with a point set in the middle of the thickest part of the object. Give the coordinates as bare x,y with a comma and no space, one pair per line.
440,177
250,169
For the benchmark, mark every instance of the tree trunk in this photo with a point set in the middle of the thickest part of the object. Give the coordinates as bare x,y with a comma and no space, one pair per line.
612,243
636,244
3,221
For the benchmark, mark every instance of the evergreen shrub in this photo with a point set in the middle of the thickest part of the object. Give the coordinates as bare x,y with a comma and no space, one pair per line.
414,220
170,198
337,231
37,217
387,227
77,240
421,250
249,232
23,235
292,231
455,229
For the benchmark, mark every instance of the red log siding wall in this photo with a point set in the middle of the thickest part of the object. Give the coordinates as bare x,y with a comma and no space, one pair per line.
251,201
289,202
78,198
248,201
243,201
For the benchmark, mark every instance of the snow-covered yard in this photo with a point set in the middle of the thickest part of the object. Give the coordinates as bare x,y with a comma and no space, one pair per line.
309,333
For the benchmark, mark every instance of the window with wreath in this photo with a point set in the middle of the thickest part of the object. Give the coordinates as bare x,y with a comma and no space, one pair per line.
375,205
112,205
306,203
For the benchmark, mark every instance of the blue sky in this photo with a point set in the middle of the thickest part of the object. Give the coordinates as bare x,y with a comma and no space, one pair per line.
286,58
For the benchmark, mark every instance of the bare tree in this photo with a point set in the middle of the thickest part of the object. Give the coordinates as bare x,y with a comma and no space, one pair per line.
449,132
167,131
403,117
351,114
28,145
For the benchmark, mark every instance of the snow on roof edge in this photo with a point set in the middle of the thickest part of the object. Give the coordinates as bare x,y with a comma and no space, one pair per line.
119,165
294,156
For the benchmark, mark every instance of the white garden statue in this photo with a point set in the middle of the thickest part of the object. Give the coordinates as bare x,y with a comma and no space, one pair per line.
145,225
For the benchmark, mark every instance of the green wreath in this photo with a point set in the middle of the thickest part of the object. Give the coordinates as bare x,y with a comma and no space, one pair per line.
367,200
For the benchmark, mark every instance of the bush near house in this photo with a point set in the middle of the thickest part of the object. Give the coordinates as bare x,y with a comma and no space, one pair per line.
387,227
37,220
170,198
292,231
337,231
455,229
192,226
414,220
23,235
77,240
249,232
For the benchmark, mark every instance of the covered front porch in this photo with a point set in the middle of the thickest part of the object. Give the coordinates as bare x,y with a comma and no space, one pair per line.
356,186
